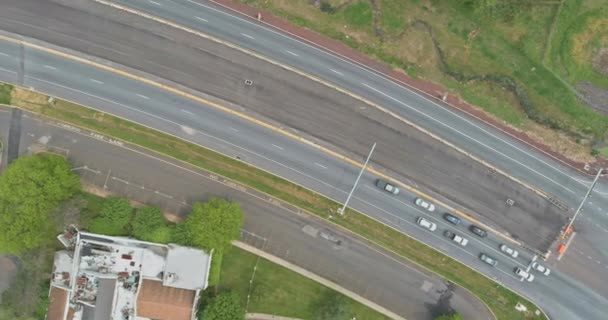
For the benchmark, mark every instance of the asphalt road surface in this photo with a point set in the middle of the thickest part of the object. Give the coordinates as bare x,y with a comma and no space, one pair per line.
61,77
299,239
333,119
43,76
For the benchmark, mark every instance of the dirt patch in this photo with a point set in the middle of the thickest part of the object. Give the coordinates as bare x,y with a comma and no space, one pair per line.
600,63
595,96
8,269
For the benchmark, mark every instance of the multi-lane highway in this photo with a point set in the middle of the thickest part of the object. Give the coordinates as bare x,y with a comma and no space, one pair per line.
280,155
147,104
300,239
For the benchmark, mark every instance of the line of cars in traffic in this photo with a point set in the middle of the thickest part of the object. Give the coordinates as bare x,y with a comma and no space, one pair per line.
524,274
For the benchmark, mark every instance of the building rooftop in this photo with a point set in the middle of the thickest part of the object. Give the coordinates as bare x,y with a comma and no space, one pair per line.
103,278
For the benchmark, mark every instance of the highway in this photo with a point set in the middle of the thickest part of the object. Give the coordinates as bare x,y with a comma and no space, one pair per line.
301,163
303,240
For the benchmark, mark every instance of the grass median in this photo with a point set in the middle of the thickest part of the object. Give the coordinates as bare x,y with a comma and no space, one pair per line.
501,300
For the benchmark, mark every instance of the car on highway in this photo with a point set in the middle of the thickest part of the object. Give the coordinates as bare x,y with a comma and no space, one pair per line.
426,224
424,204
487,259
451,218
540,268
456,238
523,274
509,251
387,186
478,231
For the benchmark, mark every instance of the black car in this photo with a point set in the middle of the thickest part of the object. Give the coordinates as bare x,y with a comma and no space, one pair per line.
478,231
451,218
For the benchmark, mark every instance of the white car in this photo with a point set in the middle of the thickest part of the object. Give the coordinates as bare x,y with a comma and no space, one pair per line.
426,224
456,238
540,268
426,205
509,251
523,274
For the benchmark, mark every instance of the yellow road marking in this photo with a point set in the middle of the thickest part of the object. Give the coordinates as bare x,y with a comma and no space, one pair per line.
265,124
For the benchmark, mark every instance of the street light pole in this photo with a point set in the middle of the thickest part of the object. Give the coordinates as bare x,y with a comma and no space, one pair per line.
580,207
341,210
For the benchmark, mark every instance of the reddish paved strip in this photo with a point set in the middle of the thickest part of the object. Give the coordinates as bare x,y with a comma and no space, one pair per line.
430,89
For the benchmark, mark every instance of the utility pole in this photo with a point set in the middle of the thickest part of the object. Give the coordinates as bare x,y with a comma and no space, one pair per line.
341,210
580,207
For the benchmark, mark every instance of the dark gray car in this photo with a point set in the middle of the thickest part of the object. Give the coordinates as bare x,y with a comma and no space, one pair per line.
451,218
478,231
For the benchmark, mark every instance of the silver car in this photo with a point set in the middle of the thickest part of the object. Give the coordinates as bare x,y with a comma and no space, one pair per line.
487,259
424,204
540,268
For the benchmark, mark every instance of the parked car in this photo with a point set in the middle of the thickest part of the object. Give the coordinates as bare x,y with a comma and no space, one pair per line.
424,204
456,238
478,231
451,218
387,186
523,274
509,251
426,224
540,268
487,259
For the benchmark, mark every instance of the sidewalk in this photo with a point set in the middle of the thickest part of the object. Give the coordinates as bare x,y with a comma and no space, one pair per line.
263,316
318,279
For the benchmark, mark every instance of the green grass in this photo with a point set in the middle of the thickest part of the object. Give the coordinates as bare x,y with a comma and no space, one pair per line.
358,14
279,291
498,298
604,151
5,93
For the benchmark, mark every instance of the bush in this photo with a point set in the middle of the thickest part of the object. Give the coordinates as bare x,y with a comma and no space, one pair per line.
150,225
225,306
211,225
113,218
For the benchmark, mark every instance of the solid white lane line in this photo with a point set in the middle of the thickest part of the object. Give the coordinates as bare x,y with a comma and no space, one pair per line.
96,81
188,112
202,19
142,96
154,2
320,165
3,54
463,134
6,70
247,36
291,53
336,72
50,67
278,147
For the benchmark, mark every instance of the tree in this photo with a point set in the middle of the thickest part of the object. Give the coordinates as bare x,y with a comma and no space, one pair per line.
30,188
453,316
211,225
225,306
150,225
113,218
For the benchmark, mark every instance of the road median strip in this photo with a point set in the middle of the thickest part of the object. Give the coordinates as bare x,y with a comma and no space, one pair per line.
499,299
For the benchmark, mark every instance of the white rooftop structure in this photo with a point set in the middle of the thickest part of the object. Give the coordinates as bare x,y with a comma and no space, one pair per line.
182,269
103,276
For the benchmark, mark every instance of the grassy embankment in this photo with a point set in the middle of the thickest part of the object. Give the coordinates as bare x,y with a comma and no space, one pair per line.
276,290
493,62
498,298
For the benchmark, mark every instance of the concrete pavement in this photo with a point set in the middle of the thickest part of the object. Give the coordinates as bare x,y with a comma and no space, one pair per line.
299,239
